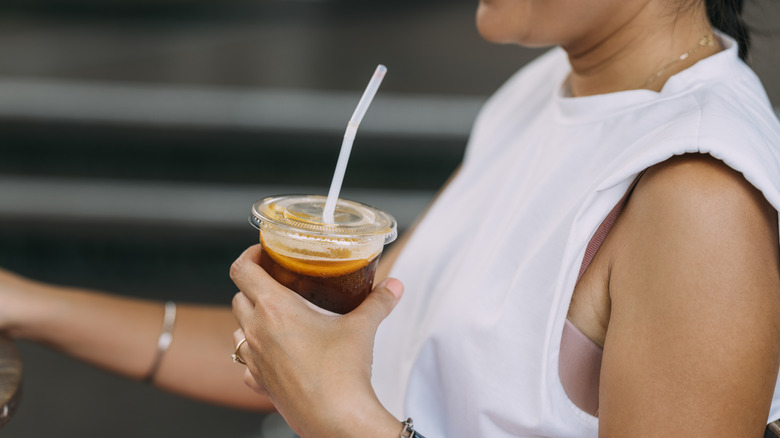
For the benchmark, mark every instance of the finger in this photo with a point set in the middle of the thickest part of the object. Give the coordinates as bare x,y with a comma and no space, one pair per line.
243,309
381,301
253,253
247,260
238,335
246,271
253,384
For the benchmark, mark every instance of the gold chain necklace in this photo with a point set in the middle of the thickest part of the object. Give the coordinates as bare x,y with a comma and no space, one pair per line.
705,41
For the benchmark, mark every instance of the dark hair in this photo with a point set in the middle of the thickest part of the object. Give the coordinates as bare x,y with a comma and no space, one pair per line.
726,16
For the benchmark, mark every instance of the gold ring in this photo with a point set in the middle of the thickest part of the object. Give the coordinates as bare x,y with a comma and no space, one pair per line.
236,358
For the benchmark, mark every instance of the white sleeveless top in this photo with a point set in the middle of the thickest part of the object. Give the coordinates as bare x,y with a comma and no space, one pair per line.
472,348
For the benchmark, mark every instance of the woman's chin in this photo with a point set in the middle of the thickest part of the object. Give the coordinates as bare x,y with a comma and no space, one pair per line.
489,25
503,28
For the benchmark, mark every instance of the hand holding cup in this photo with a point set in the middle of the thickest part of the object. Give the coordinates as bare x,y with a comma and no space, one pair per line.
315,367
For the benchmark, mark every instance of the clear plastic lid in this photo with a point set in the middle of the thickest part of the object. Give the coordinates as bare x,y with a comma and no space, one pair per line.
303,214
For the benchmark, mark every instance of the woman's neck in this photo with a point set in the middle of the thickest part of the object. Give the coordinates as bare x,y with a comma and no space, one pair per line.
643,53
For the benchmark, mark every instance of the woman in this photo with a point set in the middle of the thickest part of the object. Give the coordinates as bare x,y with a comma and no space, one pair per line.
542,299
524,315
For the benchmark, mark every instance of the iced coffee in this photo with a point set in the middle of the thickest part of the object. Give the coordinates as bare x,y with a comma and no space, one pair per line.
331,264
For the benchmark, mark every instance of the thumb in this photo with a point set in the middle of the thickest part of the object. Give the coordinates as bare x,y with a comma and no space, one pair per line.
381,301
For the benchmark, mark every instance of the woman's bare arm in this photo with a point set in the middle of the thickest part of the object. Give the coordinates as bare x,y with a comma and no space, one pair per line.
120,335
693,343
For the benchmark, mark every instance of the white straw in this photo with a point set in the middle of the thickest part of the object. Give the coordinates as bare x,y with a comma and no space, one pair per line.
346,145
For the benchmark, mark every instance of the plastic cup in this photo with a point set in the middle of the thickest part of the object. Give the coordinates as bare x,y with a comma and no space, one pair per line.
330,264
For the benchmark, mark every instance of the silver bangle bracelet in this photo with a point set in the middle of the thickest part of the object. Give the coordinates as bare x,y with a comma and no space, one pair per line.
164,341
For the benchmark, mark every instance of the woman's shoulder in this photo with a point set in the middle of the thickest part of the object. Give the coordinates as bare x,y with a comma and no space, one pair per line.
695,209
726,95
694,292
728,118
697,181
701,194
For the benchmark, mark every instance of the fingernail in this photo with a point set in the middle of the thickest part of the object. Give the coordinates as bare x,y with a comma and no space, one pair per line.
393,285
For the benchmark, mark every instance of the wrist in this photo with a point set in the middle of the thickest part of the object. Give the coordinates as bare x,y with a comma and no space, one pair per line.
24,306
378,423
368,418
